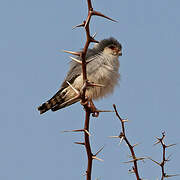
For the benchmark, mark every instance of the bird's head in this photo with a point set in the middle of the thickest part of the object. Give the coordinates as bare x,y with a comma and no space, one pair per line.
110,46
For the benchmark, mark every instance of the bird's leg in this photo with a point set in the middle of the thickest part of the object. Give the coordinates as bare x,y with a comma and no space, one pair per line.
84,103
91,106
95,112
88,101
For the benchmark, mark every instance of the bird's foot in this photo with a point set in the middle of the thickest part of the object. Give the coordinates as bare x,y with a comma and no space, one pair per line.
84,103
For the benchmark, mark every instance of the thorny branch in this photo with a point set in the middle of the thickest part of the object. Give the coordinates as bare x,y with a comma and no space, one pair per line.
164,159
87,103
134,160
122,136
88,109
91,109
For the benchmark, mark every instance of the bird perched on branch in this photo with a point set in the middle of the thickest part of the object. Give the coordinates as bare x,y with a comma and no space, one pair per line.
102,68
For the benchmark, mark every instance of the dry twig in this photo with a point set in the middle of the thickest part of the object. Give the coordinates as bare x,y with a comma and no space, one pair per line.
122,137
164,159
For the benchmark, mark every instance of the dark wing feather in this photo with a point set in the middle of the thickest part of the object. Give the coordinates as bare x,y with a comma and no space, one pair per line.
74,72
75,69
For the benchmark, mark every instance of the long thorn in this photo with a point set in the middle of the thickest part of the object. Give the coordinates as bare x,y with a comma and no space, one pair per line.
80,143
121,140
94,35
136,159
76,60
96,13
75,90
76,130
167,176
135,145
114,136
94,157
99,150
93,40
125,120
97,110
170,145
154,161
87,20
72,52
79,25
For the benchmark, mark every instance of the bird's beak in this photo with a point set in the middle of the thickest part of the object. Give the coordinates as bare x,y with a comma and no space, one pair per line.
120,53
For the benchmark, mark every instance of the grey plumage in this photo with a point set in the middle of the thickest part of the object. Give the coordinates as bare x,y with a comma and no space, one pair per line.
102,69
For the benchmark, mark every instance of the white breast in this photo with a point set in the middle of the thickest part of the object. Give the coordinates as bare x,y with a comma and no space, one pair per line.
102,72
106,74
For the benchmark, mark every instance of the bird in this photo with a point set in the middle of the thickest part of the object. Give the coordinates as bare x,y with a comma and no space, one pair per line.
102,68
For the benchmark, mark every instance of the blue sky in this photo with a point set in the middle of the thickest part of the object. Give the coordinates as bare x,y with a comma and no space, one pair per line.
32,67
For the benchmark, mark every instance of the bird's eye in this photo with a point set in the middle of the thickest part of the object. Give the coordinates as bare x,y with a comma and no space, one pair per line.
112,47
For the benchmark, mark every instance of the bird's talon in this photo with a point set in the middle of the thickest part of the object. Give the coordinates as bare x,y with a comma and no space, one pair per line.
84,103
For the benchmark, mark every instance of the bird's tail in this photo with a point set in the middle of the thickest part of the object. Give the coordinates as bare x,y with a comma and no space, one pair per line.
54,101
61,99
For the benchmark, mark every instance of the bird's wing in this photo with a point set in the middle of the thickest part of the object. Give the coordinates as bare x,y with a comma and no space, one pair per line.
75,69
57,101
73,73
